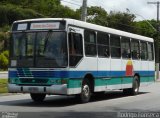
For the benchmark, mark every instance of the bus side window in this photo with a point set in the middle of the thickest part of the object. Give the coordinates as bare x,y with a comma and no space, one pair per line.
103,44
125,46
75,48
90,43
71,44
135,49
144,54
150,52
115,46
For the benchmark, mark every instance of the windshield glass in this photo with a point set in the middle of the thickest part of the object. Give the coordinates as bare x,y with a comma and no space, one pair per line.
51,46
23,45
47,49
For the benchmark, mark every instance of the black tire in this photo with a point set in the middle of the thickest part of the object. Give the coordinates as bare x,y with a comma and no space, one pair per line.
85,94
135,87
37,97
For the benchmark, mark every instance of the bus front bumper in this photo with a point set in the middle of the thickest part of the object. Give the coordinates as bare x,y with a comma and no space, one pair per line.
54,89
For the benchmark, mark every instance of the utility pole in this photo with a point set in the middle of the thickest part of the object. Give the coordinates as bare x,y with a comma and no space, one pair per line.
84,10
157,41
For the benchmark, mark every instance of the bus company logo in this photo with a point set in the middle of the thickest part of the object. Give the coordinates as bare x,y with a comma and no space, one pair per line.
129,68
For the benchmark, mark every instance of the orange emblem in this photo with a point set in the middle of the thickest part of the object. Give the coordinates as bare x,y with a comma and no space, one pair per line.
129,68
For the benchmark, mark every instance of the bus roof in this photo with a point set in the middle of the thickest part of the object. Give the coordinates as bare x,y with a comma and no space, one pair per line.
92,26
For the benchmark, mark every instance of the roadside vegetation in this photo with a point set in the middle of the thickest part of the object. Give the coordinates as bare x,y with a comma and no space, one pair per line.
3,86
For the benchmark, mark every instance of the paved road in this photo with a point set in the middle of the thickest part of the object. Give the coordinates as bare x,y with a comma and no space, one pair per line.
4,75
108,105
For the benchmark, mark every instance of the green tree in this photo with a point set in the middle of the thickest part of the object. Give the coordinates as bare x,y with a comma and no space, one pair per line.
4,60
144,28
97,15
64,12
122,21
4,41
10,13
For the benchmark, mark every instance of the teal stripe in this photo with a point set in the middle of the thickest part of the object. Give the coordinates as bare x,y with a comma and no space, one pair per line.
114,81
77,83
127,80
151,79
74,83
100,82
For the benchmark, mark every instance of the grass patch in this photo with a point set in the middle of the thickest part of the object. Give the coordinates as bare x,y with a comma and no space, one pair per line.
3,86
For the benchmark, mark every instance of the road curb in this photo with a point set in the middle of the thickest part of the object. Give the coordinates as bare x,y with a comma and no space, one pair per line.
3,72
9,94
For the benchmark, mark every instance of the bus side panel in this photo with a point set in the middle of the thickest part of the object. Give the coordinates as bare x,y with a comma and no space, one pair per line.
151,71
74,86
116,73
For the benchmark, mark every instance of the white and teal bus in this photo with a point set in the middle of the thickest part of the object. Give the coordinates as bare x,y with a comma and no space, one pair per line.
58,56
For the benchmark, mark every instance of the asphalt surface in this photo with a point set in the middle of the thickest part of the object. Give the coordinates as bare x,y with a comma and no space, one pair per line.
109,105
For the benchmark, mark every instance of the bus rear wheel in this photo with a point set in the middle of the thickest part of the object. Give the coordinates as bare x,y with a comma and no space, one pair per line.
37,97
135,87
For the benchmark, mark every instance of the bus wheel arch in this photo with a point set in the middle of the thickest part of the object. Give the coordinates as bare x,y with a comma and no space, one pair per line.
37,97
135,86
90,79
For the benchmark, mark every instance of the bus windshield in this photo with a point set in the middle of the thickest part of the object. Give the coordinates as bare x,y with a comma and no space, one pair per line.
45,49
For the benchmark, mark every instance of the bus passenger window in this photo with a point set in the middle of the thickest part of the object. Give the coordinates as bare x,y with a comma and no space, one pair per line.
150,52
90,43
125,46
144,54
135,50
103,44
115,46
75,48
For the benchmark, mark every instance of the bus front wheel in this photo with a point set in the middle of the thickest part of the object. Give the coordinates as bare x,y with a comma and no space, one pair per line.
37,97
85,94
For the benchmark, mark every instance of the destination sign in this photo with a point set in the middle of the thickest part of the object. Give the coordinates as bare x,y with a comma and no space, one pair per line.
22,26
39,26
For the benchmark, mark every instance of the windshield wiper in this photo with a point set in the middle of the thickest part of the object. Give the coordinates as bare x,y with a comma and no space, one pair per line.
46,39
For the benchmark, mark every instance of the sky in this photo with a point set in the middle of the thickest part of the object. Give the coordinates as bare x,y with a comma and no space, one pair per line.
141,9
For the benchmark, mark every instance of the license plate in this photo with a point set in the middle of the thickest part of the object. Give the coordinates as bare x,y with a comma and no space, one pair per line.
33,89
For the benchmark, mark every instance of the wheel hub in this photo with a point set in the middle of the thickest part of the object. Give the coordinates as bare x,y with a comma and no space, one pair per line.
86,90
